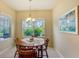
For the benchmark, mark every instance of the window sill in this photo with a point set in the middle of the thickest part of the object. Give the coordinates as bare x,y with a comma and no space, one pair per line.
3,39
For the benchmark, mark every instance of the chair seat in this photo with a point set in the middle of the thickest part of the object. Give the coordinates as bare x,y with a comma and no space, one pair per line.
44,48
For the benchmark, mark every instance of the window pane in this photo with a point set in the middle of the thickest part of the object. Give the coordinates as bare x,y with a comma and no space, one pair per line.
4,27
39,27
27,28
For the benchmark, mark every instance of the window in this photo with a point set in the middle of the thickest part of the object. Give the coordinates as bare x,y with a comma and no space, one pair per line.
5,27
33,27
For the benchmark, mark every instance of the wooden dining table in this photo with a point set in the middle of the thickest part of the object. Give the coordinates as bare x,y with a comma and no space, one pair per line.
37,42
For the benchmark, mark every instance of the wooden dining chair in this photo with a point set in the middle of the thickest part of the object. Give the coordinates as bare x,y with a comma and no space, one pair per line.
18,46
22,48
25,51
45,46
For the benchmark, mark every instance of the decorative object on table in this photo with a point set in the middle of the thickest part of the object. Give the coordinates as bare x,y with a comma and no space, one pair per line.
32,38
69,22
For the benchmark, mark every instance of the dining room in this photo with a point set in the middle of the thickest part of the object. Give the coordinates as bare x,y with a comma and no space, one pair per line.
39,28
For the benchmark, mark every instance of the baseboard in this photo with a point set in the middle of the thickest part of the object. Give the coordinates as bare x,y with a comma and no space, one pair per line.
8,48
61,56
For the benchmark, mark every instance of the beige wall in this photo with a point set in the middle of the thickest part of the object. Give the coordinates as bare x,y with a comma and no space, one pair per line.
47,14
67,44
8,11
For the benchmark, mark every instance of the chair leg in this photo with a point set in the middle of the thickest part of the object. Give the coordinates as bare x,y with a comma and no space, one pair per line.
38,54
15,54
46,54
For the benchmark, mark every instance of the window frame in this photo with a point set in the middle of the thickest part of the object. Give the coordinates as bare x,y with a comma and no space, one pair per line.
33,29
7,19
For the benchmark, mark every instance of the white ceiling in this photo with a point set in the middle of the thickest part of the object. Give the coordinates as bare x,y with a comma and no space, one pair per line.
21,5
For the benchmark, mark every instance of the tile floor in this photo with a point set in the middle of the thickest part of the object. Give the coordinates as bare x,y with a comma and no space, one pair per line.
10,54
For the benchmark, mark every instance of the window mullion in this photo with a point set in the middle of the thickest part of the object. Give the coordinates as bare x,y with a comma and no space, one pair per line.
33,26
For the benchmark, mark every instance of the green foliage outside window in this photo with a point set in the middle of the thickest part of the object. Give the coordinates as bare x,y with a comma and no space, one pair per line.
28,32
1,34
38,31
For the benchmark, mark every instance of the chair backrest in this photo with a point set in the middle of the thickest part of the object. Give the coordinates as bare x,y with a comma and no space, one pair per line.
27,53
17,46
21,47
46,43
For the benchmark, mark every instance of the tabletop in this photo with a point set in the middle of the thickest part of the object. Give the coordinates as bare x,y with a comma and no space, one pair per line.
27,42
34,42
